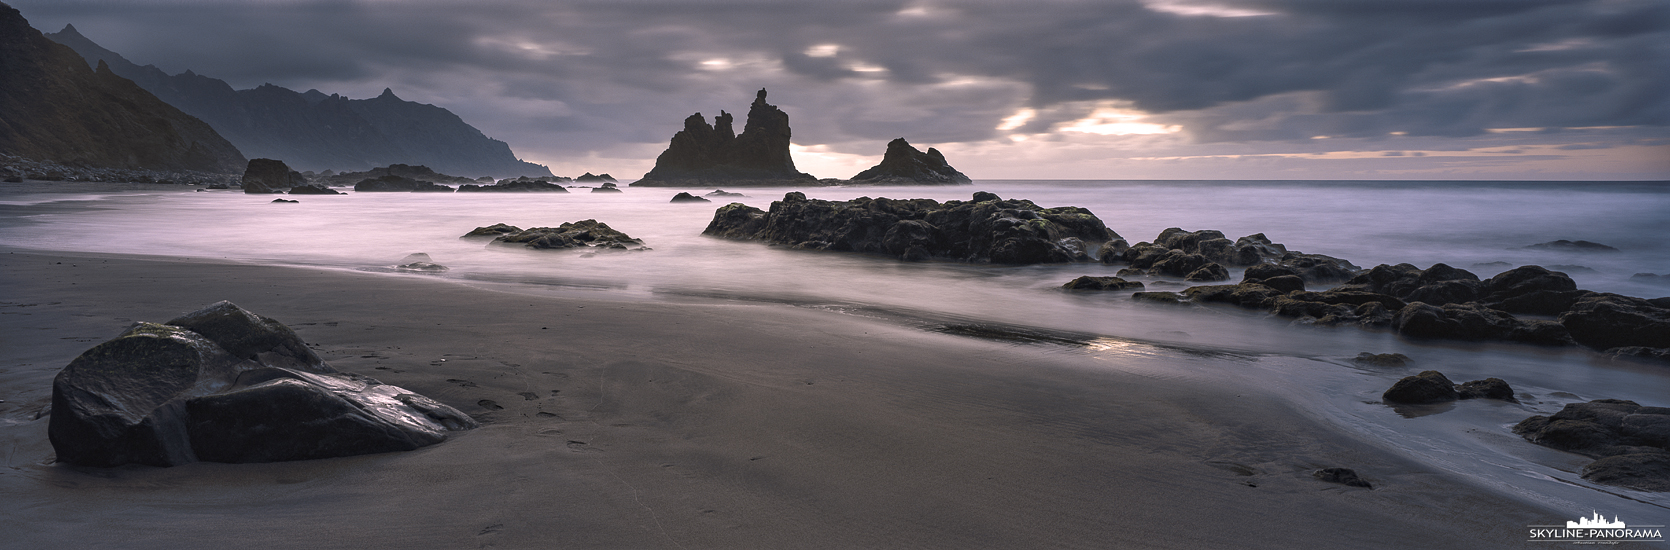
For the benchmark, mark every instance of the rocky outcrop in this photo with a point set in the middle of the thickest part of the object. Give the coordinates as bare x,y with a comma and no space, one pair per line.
1563,245
419,173
311,189
1101,283
1607,321
987,229
492,231
264,176
317,131
225,385
703,155
686,197
580,234
56,108
1631,441
398,184
903,164
1433,387
1201,256
606,188
515,186
1475,322
588,177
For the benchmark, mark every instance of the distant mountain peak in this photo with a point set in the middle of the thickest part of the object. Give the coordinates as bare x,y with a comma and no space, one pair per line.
69,30
388,94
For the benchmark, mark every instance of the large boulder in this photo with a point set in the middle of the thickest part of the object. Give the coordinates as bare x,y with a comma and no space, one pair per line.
1437,285
223,384
1433,387
1631,441
1606,321
986,229
1088,282
703,155
1474,322
687,197
905,165
270,176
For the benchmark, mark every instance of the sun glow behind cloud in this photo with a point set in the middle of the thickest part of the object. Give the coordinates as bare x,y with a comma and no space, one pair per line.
1111,120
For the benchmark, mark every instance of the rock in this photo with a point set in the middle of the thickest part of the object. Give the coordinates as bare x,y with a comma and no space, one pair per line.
1382,359
580,234
1489,388
1650,278
686,197
1569,268
284,200
1639,471
270,176
990,230
1474,322
1247,295
515,186
310,189
1493,265
1563,245
222,384
1285,283
1261,272
1437,285
420,262
1208,273
1531,289
1632,441
1317,268
1605,321
1639,352
1343,476
903,164
724,193
395,184
701,155
606,188
1427,387
495,230
1101,283
588,177
1159,297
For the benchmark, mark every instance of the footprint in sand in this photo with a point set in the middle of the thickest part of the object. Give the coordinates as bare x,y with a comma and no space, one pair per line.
490,404
528,395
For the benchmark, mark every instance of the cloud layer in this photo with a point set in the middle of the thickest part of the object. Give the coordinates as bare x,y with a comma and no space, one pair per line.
594,81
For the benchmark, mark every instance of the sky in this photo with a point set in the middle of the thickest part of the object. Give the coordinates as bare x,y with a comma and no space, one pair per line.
1034,89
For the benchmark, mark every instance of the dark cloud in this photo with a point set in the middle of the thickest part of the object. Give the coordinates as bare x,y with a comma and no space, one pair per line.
585,76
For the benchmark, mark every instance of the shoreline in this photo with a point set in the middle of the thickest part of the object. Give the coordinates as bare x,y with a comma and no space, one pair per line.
705,425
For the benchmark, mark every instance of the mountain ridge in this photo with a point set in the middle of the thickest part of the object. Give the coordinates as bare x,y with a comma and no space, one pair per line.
315,131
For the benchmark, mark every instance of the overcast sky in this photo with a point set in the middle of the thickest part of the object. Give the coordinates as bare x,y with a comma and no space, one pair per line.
1109,89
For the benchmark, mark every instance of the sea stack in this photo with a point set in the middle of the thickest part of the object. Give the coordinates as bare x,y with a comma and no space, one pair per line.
270,176
703,155
905,165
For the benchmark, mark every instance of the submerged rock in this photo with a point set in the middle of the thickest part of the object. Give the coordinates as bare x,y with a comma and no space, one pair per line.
606,188
1606,321
1101,283
311,189
580,234
1571,246
724,193
588,177
223,384
1382,359
987,229
1632,441
903,164
284,200
420,262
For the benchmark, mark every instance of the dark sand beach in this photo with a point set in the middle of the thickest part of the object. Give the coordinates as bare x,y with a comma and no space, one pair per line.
689,424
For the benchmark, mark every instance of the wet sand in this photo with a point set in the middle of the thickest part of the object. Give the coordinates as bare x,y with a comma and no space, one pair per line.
694,424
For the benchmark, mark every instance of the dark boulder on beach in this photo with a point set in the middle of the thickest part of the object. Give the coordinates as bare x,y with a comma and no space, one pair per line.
703,155
1433,387
270,176
1168,298
1381,359
987,229
1437,285
686,197
495,230
903,164
311,189
223,384
1631,441
580,234
515,186
1563,245
1101,283
1318,268
419,262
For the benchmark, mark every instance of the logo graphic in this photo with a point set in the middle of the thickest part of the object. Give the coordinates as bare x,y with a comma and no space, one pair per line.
1598,522
1596,529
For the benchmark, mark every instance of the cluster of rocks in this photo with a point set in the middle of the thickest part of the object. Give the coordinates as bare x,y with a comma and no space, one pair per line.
222,384
519,185
1451,303
15,169
1202,256
419,172
1433,387
589,234
396,184
987,229
1632,442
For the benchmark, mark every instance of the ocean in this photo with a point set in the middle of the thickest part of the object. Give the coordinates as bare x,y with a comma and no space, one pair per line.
1478,226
